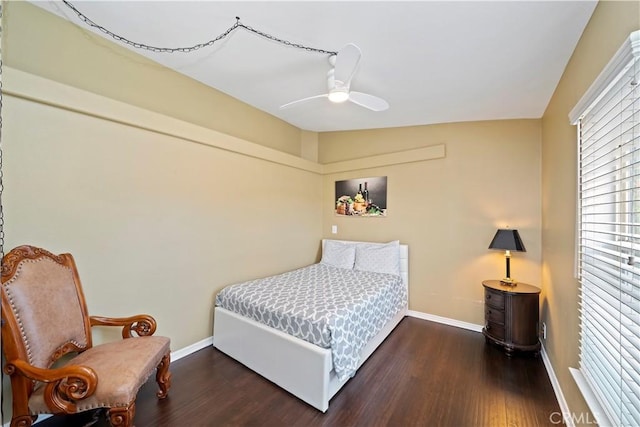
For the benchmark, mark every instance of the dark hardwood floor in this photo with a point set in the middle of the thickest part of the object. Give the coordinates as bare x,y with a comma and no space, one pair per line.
424,374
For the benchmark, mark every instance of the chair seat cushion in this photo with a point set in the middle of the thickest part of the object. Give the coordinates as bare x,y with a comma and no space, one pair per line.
122,368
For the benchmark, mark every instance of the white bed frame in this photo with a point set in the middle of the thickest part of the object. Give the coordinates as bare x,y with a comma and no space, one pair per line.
303,369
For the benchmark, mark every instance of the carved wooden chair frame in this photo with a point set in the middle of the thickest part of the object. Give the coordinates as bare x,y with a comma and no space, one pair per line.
68,385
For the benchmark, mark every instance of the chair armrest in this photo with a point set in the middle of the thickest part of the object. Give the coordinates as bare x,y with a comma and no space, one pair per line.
142,324
65,385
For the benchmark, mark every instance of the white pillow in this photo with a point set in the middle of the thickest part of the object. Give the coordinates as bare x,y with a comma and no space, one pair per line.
338,254
378,257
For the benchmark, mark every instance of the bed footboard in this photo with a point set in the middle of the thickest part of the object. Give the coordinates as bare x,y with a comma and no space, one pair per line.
297,366
301,368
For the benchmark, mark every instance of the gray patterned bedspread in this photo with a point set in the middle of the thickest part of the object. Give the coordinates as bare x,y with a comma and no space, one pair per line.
330,307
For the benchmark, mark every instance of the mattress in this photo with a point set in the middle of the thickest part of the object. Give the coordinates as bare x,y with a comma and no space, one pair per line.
336,308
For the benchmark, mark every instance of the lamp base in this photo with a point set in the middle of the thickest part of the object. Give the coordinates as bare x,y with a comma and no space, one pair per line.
508,282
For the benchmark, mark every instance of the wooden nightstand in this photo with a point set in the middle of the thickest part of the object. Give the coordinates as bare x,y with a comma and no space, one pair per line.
511,316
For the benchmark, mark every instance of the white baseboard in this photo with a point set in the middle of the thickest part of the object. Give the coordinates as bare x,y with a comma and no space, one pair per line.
179,354
564,408
445,320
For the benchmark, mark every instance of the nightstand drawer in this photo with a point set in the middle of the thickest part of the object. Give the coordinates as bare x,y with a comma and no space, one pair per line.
495,330
494,299
494,315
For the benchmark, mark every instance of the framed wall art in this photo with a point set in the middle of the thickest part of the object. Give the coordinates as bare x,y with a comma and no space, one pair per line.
364,197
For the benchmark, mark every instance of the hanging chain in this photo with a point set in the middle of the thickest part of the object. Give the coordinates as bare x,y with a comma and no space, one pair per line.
2,392
281,41
1,168
188,49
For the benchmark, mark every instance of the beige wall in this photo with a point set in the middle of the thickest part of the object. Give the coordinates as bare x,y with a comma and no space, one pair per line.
610,25
157,224
448,209
43,44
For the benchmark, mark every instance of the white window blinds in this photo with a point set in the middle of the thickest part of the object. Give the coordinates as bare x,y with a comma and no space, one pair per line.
609,244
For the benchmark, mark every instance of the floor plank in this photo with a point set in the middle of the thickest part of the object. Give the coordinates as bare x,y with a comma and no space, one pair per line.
423,374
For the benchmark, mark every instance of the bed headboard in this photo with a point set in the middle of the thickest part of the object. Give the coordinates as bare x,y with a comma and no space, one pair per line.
404,258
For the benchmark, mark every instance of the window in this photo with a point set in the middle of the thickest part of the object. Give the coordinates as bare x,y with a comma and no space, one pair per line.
608,120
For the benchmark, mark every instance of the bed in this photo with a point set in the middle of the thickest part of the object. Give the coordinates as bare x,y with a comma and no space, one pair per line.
305,358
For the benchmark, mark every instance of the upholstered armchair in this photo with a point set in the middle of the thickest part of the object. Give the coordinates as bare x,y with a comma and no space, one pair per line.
44,317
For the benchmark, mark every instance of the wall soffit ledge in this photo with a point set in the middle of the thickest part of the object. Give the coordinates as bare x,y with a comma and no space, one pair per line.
37,89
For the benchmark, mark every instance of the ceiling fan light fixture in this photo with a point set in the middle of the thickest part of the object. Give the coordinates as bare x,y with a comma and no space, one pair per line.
338,96
344,65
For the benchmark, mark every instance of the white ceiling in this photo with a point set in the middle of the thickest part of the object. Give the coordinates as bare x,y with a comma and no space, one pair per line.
433,61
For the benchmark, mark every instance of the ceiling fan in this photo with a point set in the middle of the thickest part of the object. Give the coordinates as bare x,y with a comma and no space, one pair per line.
343,67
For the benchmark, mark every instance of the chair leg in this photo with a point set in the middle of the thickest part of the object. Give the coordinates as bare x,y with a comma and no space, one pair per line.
23,421
163,376
122,416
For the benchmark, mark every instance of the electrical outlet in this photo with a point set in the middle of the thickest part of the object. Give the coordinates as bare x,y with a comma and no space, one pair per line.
334,229
544,331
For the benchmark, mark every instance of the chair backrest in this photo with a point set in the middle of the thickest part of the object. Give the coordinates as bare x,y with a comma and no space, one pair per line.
43,307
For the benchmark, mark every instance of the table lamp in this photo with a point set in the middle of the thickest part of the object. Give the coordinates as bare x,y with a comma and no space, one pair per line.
507,240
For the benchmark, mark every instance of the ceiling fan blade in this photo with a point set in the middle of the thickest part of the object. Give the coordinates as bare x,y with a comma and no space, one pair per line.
368,101
302,101
347,62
